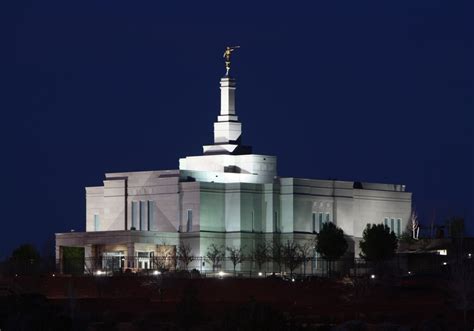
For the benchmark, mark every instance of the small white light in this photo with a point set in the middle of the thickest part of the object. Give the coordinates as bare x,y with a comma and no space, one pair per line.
372,276
445,263
54,275
99,272
260,274
156,273
221,273
293,280
469,255
409,272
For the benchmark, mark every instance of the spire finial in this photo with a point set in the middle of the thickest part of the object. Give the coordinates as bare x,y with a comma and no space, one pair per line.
228,51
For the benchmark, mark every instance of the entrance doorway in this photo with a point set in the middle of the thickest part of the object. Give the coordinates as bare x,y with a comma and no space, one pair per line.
144,260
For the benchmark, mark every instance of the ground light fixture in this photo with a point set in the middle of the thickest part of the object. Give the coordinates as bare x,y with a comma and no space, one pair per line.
372,276
156,273
100,273
260,274
221,274
445,263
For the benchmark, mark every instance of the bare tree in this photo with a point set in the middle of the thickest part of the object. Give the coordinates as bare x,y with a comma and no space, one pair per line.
277,253
159,262
215,255
185,254
260,254
415,226
306,252
291,256
236,256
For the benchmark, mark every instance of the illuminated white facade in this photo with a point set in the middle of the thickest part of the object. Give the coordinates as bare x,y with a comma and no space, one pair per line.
228,197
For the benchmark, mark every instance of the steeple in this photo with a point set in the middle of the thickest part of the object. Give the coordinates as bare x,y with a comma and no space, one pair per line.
227,129
227,160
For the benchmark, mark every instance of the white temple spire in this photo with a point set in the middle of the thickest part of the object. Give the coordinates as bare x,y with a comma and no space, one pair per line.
227,128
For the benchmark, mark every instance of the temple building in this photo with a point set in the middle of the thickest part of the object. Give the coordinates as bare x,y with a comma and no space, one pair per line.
228,196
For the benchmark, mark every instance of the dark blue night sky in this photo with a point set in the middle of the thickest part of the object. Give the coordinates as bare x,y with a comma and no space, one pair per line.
371,91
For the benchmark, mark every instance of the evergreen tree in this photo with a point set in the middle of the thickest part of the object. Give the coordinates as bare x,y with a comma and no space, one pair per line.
330,243
378,243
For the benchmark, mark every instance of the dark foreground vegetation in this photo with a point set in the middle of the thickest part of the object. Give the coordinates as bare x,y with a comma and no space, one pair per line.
418,302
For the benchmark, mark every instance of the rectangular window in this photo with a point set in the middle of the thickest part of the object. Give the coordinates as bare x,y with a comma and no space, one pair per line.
143,215
385,221
276,228
134,212
253,221
320,221
392,225
96,222
189,225
151,210
327,218
399,226
314,223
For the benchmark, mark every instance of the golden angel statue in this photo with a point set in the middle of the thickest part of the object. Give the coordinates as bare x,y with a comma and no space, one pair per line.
227,53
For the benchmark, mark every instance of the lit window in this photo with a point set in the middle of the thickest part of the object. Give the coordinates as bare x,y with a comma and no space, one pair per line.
320,221
399,227
327,218
385,221
442,252
96,222
392,225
